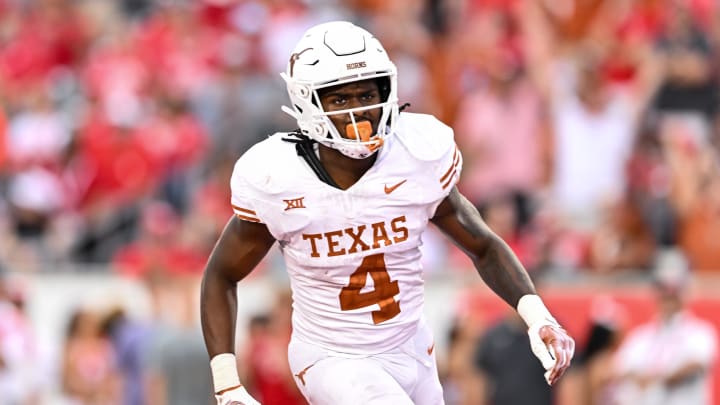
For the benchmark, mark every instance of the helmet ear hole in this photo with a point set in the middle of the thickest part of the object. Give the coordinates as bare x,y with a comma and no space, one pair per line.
301,91
319,130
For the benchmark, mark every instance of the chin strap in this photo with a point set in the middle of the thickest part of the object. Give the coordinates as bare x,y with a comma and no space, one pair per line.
305,148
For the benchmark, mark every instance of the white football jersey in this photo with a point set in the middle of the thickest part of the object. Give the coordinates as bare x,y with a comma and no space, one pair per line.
352,255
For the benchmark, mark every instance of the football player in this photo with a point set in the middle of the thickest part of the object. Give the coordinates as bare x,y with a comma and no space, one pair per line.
347,197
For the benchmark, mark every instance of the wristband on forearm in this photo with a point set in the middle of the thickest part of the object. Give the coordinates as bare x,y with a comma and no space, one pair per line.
532,310
224,372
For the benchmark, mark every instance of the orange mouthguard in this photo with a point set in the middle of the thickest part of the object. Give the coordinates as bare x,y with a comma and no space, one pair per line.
363,132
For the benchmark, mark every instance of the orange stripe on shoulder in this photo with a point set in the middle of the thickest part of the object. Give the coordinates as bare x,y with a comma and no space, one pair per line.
246,218
453,166
245,210
449,180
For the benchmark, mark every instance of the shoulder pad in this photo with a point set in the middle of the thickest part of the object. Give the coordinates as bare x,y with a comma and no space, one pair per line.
424,136
268,165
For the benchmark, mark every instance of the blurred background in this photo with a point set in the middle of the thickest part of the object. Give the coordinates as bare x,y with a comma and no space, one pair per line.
589,130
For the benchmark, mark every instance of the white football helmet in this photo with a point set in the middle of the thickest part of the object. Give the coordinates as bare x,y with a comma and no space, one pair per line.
332,54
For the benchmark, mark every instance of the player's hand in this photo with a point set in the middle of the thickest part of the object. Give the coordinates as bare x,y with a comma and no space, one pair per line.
554,347
236,396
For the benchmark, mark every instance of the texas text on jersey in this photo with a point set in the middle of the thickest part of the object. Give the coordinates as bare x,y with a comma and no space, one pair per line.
352,255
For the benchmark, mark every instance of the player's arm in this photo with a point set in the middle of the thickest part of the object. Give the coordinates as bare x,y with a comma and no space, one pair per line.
239,249
497,264
501,270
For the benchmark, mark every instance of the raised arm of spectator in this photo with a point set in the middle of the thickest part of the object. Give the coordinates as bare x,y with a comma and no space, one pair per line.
540,45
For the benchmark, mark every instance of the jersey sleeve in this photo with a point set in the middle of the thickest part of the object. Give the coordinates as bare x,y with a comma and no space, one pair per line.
434,158
432,143
244,197
450,168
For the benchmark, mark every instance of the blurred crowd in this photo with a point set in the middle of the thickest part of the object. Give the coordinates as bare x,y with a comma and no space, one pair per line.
589,131
589,128
667,356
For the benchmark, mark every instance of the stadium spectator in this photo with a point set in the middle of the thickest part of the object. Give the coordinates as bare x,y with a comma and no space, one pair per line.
22,369
89,365
173,363
593,123
649,186
503,357
592,381
689,84
499,121
694,187
265,362
667,360
622,241
131,340
461,382
503,215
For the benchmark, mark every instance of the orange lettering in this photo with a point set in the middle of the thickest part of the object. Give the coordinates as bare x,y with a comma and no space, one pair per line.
294,203
311,237
399,229
356,239
383,292
332,244
379,233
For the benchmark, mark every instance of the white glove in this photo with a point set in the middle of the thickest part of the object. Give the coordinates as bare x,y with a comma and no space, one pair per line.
236,396
544,353
548,340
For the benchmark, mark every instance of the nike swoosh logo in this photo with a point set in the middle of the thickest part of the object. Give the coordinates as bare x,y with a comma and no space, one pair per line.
390,189
430,349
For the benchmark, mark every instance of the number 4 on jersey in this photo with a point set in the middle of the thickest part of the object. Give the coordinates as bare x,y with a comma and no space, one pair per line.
383,293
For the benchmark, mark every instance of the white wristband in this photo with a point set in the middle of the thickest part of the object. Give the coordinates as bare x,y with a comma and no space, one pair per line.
533,311
224,371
